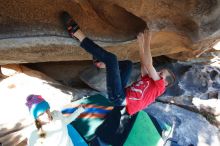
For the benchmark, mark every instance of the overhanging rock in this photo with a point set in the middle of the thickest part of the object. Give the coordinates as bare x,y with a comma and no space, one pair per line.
31,31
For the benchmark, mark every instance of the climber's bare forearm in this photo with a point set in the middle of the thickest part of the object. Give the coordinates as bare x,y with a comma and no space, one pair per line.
145,55
140,39
147,52
143,65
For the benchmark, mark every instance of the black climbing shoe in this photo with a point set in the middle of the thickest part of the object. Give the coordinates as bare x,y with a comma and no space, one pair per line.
69,23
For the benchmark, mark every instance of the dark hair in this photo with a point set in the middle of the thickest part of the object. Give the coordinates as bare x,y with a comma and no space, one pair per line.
41,133
170,78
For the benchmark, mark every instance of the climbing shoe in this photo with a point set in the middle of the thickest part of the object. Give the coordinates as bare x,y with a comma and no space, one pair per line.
69,23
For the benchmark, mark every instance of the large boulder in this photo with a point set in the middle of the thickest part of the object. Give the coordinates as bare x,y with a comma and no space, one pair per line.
30,31
189,128
196,88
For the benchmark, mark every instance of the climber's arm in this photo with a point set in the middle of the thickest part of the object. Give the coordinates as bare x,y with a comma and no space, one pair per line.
74,115
140,39
145,55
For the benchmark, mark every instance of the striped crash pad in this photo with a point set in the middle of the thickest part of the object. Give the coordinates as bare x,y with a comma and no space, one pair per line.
102,120
97,107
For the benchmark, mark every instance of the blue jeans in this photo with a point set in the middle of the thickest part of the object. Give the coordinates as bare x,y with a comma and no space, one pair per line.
117,73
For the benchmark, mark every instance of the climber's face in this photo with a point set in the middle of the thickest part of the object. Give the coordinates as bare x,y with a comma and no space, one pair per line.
168,77
164,74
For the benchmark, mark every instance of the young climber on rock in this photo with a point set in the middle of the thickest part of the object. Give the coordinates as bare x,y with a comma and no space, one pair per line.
51,127
141,93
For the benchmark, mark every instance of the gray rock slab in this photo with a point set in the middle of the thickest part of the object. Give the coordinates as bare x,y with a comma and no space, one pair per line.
189,127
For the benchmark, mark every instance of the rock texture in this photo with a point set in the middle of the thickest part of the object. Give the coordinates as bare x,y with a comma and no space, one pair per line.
66,73
197,88
188,128
30,31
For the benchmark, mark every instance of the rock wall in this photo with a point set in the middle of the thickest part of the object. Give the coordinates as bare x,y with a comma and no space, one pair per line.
189,128
30,30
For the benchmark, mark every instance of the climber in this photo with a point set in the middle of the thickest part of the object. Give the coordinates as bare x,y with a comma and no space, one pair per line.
141,93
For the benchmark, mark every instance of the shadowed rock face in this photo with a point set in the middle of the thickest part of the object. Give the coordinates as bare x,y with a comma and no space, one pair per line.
31,31
107,22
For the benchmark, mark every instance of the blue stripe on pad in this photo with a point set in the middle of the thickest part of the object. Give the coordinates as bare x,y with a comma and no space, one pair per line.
88,110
